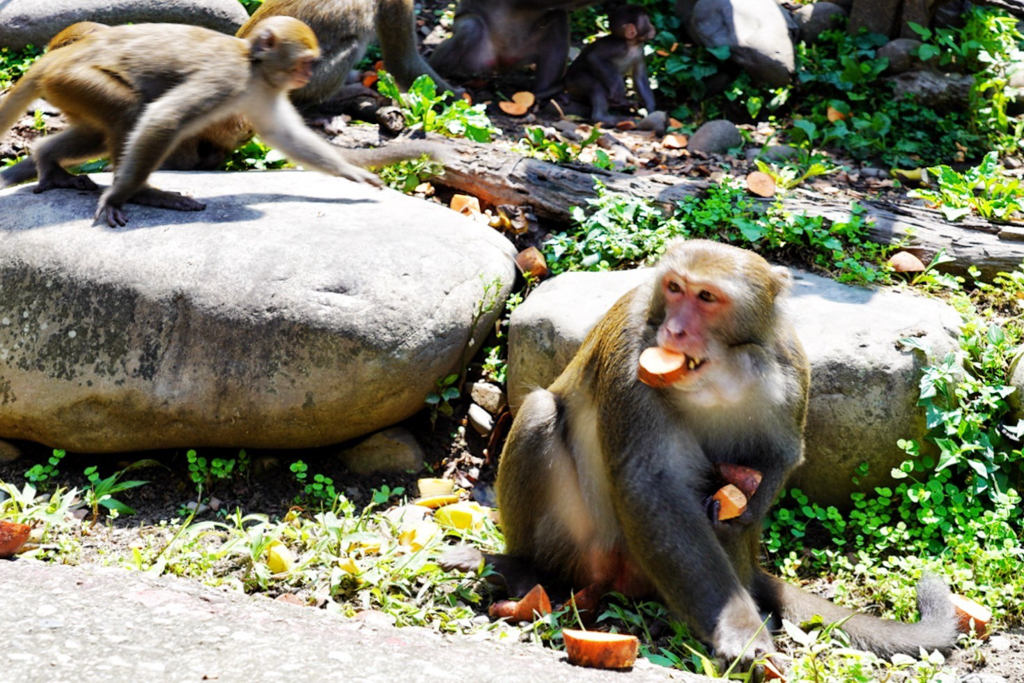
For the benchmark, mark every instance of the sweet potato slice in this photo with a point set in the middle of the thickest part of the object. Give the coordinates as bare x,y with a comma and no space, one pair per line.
968,610
465,204
536,601
600,650
660,367
761,184
746,479
12,537
731,500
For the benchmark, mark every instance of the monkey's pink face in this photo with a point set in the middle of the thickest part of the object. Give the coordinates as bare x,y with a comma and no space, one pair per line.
691,309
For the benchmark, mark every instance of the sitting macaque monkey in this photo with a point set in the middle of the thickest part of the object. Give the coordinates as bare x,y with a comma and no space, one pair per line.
604,480
500,35
135,92
597,74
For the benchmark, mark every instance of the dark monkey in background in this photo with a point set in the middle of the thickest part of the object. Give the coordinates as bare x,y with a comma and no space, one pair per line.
605,480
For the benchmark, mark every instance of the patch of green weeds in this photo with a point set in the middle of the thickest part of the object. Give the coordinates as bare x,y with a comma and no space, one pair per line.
616,230
14,64
254,155
538,144
406,176
44,474
439,400
100,492
788,175
318,491
984,189
425,109
206,472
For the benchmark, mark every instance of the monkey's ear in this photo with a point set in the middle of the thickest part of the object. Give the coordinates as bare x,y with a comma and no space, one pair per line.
782,280
266,40
629,31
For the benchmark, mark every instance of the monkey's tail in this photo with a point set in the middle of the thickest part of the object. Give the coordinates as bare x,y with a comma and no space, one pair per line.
399,151
20,97
937,629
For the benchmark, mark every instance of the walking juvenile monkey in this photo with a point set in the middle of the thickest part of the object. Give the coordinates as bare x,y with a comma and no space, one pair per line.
604,480
135,92
596,75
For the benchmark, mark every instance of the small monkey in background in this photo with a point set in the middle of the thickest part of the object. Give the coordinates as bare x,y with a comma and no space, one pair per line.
344,29
135,92
597,74
500,35
604,480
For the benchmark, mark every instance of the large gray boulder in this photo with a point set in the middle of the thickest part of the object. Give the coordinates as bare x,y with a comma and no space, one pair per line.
34,22
864,384
296,310
756,32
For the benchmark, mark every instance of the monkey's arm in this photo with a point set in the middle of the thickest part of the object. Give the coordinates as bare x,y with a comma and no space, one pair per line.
599,60
658,503
643,84
396,32
281,126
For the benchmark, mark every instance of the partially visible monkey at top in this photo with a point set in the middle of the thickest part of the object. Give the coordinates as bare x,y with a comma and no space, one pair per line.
604,480
135,92
596,75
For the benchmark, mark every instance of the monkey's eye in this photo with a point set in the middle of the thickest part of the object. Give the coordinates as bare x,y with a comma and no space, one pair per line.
705,295
674,287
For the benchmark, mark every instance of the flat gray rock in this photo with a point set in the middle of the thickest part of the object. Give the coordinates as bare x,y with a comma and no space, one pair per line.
34,22
864,385
170,629
297,310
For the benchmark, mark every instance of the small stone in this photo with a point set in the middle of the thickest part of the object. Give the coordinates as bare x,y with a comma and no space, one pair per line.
488,396
8,451
716,137
656,121
1000,643
480,420
982,678
215,504
199,508
814,18
391,450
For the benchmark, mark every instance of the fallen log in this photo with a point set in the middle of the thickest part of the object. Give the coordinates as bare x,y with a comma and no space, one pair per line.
497,176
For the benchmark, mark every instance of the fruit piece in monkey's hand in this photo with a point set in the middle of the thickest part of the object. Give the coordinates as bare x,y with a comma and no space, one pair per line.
600,650
523,610
746,479
660,367
731,502
968,610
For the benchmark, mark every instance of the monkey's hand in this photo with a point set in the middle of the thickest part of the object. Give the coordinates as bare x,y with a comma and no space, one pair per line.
113,215
360,175
727,527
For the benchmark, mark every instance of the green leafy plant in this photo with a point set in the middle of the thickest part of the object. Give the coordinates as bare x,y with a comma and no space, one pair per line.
983,189
406,176
44,474
319,490
100,492
425,109
440,399
537,143
789,175
254,155
205,472
14,63
385,493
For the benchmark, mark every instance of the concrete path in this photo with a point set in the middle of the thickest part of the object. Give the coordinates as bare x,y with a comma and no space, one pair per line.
61,623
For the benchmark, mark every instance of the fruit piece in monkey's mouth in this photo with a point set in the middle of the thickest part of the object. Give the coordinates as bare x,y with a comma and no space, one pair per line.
661,367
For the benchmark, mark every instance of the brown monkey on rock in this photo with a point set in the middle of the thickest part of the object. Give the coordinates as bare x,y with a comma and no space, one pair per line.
596,75
604,480
135,92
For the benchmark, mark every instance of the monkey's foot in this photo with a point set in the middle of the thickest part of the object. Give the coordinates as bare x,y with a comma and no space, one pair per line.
60,178
163,199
